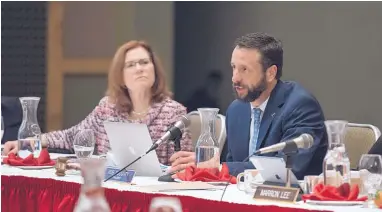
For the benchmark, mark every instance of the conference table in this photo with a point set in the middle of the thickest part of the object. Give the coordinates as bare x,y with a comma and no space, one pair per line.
42,190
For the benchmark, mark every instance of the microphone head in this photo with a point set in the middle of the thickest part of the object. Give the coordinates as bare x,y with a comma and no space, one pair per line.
186,121
306,141
183,122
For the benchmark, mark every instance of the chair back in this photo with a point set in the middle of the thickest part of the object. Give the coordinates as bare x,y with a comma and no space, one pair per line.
359,138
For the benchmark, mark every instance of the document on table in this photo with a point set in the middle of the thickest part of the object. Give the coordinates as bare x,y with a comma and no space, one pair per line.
181,186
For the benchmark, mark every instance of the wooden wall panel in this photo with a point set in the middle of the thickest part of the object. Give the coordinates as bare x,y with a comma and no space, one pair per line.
83,37
54,62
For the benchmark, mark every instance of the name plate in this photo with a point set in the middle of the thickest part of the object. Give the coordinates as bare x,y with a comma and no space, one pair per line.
276,193
123,176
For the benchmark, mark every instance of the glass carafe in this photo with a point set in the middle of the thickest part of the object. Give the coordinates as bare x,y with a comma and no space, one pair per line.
207,148
92,196
29,131
336,166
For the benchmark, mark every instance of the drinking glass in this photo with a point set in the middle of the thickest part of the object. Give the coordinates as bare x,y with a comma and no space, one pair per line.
310,181
370,167
83,144
165,204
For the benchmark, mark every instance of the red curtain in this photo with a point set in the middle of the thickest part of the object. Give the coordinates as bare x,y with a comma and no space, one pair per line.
21,194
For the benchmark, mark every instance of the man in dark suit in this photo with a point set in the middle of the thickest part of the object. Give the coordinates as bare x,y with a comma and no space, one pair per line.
267,110
12,114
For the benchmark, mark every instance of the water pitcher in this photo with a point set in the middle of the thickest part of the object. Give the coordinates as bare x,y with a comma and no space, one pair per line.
92,196
29,131
336,166
207,148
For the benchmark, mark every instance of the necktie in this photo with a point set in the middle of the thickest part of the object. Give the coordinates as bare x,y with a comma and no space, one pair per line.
256,127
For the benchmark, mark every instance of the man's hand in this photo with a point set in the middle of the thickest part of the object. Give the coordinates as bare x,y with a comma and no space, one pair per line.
10,147
181,160
13,146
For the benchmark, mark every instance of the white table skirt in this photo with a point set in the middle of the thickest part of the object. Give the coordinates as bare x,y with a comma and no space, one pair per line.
232,194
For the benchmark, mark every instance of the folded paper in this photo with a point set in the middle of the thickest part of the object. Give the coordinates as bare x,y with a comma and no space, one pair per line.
123,176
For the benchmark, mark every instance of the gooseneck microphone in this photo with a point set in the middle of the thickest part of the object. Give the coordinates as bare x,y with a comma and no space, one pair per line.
173,133
304,141
230,178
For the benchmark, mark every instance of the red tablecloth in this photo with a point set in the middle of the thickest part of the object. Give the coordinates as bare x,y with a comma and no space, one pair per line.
23,194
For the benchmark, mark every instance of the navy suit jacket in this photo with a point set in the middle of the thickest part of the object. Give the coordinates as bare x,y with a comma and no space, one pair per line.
12,113
290,112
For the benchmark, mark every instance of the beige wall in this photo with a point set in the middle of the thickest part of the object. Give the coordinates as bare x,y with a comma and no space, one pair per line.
94,30
333,48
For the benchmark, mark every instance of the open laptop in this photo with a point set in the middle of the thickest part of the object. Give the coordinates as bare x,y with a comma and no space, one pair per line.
128,141
273,171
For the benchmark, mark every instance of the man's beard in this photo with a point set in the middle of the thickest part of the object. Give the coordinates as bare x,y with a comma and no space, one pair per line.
253,92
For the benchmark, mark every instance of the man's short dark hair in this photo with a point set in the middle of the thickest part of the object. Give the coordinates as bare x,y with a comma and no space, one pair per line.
270,48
